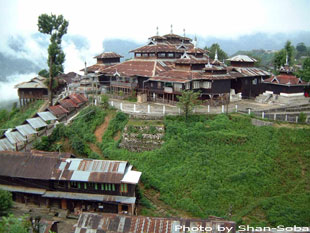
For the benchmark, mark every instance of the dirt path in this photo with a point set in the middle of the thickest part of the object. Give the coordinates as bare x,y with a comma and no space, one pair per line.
102,128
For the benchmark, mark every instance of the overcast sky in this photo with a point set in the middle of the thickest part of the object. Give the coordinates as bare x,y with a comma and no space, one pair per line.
138,20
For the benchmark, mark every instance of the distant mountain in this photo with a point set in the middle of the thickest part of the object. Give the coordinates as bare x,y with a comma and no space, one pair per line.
10,66
256,41
121,47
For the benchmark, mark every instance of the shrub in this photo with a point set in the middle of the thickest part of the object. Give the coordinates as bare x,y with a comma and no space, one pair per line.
5,202
302,117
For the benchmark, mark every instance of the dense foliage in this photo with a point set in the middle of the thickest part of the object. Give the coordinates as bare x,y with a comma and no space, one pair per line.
12,224
79,133
17,115
216,48
226,167
5,202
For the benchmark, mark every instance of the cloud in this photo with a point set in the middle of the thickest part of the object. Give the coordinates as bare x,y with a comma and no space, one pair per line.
7,90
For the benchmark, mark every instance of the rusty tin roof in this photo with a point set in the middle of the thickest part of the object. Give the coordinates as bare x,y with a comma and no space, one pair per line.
108,223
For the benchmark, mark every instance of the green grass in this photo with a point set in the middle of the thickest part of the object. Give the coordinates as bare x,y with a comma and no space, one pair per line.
216,165
224,166
17,116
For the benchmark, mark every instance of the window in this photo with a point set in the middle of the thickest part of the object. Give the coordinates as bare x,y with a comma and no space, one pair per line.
113,187
170,55
102,187
254,81
187,86
177,86
145,55
124,188
161,54
207,85
159,85
138,54
85,185
79,185
96,186
196,84
152,54
152,85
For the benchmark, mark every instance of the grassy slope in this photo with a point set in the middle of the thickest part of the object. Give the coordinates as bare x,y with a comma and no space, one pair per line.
18,116
214,166
229,168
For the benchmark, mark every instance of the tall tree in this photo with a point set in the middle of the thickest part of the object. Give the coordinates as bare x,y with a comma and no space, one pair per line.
279,59
304,73
56,27
289,48
220,53
187,101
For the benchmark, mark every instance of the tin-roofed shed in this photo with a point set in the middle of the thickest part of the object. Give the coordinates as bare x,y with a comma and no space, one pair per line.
36,122
26,130
5,145
47,116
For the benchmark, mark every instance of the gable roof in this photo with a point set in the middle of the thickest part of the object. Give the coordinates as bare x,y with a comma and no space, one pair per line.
242,58
108,55
58,110
287,80
37,82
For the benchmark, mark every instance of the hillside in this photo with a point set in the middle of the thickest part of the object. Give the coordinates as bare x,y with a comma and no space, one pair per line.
217,165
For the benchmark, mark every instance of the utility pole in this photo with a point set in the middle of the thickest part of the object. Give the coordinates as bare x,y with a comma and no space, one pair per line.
51,82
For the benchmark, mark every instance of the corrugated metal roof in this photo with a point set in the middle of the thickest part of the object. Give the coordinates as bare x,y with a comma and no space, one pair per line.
47,116
14,137
68,103
108,223
37,82
131,177
58,110
101,171
22,189
26,130
242,58
90,197
108,55
250,71
27,165
36,122
6,145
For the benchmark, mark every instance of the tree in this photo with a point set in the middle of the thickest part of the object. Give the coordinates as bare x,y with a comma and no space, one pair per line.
56,27
304,73
220,53
5,202
12,224
301,49
289,48
187,101
279,59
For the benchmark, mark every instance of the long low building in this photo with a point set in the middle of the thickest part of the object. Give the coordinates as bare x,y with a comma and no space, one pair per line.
111,223
58,180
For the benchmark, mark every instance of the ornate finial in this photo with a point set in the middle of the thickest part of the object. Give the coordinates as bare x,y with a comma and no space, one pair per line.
195,42
157,33
286,60
184,32
215,56
171,30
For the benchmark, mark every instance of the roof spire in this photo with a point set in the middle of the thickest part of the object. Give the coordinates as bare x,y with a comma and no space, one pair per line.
171,30
184,32
157,33
215,56
195,42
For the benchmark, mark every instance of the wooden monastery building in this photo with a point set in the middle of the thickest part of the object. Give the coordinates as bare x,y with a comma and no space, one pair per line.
169,64
286,82
59,180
